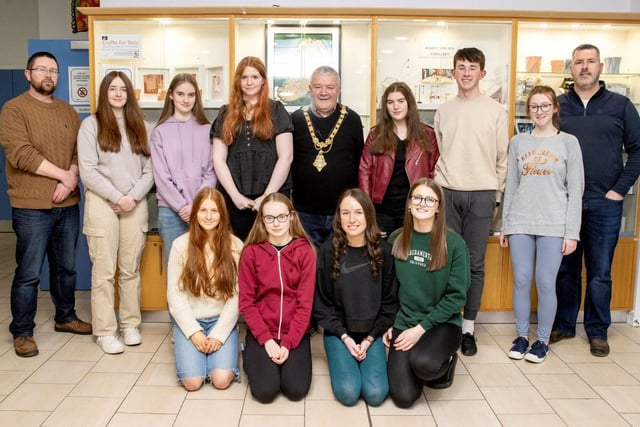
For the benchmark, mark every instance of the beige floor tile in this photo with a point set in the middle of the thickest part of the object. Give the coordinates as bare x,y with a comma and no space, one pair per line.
515,400
405,421
236,391
320,388
623,344
487,354
150,343
455,413
155,420
96,384
10,362
388,408
51,340
496,329
158,374
154,400
157,328
627,331
587,413
488,375
630,362
280,406
603,374
83,412
78,351
463,388
60,372
576,353
23,418
206,412
551,365
10,380
35,397
633,419
272,420
319,364
164,354
622,398
317,345
562,386
320,413
127,362
546,420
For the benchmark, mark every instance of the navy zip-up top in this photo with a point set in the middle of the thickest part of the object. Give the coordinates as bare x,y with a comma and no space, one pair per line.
609,124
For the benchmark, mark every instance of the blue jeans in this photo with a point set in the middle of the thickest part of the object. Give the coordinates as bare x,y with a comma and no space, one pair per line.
53,232
191,363
318,227
351,379
598,239
170,226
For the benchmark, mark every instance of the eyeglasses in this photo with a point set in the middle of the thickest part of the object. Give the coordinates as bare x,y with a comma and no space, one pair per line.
428,201
545,108
268,219
42,71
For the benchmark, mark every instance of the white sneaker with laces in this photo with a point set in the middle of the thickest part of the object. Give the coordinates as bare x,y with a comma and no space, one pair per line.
132,336
110,344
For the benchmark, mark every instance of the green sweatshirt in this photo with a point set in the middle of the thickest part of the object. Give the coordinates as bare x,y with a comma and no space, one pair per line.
430,298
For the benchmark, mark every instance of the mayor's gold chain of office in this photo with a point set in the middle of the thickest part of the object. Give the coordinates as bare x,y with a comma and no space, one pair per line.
320,161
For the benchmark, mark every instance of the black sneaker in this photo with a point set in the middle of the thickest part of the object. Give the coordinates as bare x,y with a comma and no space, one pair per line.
447,379
519,348
468,346
537,353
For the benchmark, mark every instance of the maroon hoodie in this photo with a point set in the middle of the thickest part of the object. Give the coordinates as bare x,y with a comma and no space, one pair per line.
276,290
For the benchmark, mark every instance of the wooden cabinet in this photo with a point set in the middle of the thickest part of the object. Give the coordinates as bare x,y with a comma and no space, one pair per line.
154,275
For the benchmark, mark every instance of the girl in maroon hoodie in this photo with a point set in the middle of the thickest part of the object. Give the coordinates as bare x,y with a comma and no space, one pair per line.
276,279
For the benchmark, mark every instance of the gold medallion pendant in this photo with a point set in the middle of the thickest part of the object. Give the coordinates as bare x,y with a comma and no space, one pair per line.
323,147
319,162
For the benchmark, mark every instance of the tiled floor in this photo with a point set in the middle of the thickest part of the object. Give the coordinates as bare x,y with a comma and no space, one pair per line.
72,383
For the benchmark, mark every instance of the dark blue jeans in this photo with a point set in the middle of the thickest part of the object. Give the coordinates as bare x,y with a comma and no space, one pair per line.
598,239
53,232
318,227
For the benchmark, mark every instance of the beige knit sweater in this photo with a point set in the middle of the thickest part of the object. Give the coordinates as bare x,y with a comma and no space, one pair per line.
30,132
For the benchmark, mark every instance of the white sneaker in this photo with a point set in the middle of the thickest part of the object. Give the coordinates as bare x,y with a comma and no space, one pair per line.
132,336
110,344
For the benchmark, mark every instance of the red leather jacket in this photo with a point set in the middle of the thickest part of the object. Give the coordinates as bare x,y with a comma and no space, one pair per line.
375,171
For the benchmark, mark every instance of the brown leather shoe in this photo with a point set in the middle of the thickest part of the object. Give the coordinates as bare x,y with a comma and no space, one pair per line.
76,326
25,346
599,347
559,336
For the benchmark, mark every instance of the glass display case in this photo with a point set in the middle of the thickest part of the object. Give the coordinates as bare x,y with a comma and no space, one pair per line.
293,48
152,50
420,53
543,57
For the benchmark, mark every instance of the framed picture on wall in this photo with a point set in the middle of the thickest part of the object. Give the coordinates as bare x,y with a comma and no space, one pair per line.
293,52
523,125
215,84
153,83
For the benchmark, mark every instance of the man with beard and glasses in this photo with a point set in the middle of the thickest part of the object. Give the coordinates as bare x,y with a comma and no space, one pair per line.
38,133
606,124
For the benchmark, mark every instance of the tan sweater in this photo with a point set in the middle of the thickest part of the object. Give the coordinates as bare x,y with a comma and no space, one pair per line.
30,132
472,138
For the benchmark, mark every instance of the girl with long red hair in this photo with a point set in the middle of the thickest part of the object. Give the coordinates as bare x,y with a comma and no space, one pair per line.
252,145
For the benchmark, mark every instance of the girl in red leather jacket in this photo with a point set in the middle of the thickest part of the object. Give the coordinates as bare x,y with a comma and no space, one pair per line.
398,151
276,280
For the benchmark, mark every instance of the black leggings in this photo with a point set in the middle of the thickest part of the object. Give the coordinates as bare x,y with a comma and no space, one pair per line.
427,360
268,379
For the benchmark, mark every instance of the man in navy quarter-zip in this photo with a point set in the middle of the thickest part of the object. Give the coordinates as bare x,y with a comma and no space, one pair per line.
605,124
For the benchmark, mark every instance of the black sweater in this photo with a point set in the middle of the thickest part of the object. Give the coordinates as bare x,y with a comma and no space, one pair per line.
355,303
609,124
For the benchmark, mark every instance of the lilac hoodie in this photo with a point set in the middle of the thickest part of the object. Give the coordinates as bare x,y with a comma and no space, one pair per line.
182,161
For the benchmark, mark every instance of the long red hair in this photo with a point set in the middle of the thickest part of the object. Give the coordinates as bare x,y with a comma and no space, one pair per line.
217,279
236,109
